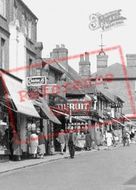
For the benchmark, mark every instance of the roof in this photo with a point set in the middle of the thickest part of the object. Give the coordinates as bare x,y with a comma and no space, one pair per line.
116,71
75,75
29,10
106,93
53,64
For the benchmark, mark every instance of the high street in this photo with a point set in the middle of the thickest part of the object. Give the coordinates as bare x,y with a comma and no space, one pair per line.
101,170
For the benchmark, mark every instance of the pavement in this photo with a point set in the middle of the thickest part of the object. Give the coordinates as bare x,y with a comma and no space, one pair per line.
15,165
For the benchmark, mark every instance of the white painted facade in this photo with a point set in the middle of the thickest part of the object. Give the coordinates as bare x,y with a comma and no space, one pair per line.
17,52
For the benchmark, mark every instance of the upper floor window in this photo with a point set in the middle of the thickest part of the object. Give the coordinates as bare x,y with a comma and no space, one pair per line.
3,8
3,53
29,29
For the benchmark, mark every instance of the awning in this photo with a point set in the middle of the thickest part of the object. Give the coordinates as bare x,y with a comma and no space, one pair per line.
68,116
19,96
118,122
60,112
46,109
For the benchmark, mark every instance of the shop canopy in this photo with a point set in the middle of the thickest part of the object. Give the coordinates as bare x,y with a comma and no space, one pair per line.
115,120
19,95
46,109
74,118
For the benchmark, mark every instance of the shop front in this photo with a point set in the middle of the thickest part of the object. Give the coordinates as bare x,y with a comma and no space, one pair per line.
50,123
17,112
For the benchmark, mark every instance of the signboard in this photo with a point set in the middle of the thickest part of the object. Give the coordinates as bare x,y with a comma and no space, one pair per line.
36,81
76,106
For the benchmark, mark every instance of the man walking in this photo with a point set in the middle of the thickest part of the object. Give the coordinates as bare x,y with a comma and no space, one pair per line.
71,143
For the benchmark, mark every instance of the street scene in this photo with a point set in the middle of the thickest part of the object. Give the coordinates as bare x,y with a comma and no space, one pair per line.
67,95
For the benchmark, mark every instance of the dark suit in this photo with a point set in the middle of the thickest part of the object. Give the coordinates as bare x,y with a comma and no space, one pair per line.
71,144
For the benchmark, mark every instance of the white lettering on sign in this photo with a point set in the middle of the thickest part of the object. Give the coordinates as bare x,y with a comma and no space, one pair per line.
36,81
76,106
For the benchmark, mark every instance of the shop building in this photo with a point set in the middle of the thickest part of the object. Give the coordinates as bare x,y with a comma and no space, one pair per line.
14,112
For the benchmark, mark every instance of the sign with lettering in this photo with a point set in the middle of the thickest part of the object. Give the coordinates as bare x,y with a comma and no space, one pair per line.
106,21
76,106
36,81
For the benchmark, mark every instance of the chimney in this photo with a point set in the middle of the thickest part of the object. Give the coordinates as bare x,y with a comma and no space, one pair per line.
86,57
102,58
84,65
102,61
61,53
131,60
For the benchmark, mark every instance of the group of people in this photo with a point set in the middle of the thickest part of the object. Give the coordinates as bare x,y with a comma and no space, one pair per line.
69,140
35,143
84,141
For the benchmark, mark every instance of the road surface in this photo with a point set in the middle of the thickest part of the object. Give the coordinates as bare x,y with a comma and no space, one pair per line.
101,170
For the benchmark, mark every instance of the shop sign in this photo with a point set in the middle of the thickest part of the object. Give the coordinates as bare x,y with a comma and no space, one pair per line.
36,81
76,106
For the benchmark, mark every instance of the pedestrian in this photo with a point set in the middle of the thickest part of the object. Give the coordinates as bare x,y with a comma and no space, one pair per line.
61,139
41,145
16,146
125,137
66,140
71,143
109,139
88,140
132,134
33,144
98,138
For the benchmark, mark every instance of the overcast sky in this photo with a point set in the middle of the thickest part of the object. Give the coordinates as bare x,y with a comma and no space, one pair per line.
66,22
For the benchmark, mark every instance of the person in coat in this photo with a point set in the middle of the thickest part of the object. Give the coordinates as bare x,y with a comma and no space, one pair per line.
71,143
61,139
16,146
88,140
98,138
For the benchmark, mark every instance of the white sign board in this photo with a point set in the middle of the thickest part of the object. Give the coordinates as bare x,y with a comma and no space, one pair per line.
36,81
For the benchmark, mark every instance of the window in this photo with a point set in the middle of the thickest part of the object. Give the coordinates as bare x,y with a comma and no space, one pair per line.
29,29
3,8
2,53
30,67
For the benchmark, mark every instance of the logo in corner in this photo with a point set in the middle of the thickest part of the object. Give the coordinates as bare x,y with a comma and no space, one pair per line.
106,21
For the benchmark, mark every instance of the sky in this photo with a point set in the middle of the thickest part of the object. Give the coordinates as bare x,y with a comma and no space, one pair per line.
67,22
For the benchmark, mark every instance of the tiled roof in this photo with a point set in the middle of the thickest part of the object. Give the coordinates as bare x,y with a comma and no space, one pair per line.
117,71
53,64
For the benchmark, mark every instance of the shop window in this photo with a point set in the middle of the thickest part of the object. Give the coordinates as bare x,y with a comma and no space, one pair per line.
3,8
38,71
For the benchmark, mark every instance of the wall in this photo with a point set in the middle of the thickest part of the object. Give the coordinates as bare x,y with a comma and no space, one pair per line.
4,33
23,39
